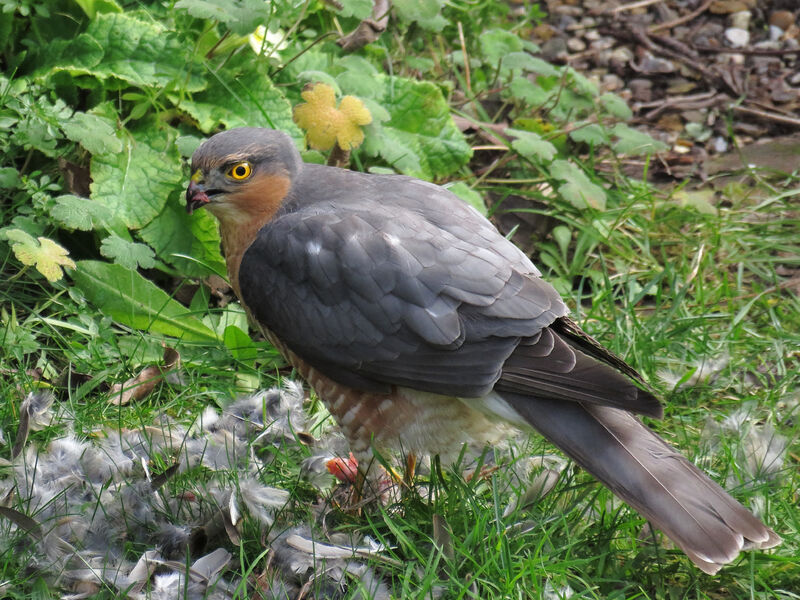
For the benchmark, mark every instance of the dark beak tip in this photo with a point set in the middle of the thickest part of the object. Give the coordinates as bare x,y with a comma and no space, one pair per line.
195,197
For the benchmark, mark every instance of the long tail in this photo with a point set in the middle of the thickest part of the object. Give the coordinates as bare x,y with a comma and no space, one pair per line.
651,476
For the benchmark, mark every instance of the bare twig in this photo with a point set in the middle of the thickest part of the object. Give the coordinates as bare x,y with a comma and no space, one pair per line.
680,20
641,36
632,6
751,51
681,99
466,58
768,115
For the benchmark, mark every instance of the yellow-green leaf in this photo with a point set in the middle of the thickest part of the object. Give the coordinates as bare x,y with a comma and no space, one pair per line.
48,257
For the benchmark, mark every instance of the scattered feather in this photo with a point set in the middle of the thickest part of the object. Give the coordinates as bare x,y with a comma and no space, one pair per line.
34,414
703,371
80,505
759,451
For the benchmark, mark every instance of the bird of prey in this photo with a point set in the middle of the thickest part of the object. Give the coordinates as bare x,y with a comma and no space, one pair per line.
421,327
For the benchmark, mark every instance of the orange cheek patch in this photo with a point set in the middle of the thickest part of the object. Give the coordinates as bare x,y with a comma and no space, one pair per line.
245,213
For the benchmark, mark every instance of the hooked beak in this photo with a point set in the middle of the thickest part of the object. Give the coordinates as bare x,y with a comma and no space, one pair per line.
196,196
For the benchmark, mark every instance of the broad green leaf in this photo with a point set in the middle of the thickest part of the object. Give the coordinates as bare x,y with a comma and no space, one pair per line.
378,112
173,234
17,338
241,95
360,9
403,152
96,134
563,236
468,195
320,77
424,12
130,255
119,45
135,183
40,126
591,133
615,106
525,62
241,16
700,200
83,214
531,145
9,177
80,55
420,137
699,131
422,64
240,345
220,320
635,142
581,84
529,92
130,299
43,253
93,7
187,144
496,44
578,190
359,77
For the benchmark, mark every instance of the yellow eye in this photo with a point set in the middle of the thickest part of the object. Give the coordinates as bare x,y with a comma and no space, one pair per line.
240,171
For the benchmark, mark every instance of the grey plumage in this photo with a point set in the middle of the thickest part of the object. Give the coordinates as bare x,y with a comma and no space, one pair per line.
651,476
384,281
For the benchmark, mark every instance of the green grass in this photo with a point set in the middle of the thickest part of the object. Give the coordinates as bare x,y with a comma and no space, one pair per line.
671,288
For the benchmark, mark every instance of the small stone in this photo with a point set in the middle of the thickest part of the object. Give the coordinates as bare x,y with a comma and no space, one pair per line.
544,32
641,90
766,64
737,37
566,23
554,49
563,9
611,82
783,93
576,44
782,19
767,45
719,145
602,44
680,85
588,22
726,7
672,123
620,57
694,116
736,59
707,34
775,33
592,35
740,19
654,64
682,146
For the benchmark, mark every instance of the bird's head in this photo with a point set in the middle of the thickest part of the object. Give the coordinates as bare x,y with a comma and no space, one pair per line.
242,173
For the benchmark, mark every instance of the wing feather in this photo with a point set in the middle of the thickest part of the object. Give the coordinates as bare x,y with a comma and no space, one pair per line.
407,301
419,290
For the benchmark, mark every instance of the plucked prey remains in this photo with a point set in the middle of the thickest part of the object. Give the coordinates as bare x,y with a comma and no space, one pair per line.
421,327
